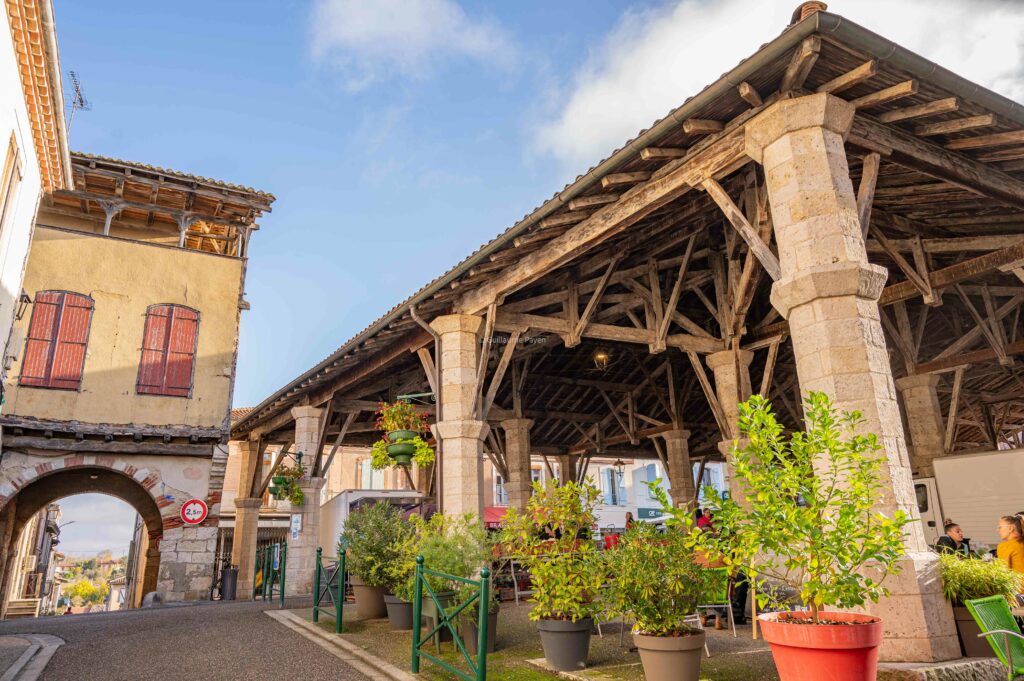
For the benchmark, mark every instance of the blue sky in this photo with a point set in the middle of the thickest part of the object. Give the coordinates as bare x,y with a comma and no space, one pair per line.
399,135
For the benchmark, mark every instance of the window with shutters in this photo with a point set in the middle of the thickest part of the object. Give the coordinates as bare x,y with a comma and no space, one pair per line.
58,334
168,351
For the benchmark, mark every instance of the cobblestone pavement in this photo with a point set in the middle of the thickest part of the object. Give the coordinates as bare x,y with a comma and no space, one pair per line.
221,641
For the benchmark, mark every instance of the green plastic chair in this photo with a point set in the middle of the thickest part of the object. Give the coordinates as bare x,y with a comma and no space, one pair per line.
718,598
998,626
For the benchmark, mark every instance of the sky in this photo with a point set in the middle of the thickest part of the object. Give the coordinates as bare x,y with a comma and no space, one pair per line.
93,523
400,135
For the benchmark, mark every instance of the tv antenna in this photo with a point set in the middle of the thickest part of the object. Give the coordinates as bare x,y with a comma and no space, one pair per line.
78,100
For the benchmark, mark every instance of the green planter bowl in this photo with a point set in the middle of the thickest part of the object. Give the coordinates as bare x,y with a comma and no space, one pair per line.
402,453
279,480
396,435
273,491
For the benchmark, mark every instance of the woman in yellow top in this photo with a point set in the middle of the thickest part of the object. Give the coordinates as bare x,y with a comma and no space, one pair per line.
1011,547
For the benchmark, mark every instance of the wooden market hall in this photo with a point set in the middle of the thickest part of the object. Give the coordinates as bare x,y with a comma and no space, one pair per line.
835,213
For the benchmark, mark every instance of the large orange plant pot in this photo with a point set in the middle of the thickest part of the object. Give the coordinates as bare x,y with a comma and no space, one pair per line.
823,652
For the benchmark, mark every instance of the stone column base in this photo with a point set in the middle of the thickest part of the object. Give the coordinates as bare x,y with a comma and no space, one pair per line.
462,448
243,546
302,549
186,563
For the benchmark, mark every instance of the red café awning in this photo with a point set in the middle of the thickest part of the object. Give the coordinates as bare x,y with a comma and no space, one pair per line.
494,516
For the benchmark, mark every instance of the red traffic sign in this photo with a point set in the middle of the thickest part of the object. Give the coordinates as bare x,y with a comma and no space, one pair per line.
194,511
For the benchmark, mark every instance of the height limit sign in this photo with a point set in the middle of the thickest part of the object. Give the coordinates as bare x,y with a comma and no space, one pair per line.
194,511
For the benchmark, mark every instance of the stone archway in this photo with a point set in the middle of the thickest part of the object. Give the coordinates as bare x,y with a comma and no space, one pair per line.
177,561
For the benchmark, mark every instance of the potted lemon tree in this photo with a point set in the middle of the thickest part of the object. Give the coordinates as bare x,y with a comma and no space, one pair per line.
810,524
657,582
373,537
552,538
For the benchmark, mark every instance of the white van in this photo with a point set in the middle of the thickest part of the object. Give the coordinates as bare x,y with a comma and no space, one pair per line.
972,490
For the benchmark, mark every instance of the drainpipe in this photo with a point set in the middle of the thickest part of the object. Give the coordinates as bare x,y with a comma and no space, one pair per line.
438,408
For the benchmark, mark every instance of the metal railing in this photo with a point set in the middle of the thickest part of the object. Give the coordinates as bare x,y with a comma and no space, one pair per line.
481,594
329,580
269,573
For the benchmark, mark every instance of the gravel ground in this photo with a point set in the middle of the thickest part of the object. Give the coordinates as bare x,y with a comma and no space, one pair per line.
732,659
221,641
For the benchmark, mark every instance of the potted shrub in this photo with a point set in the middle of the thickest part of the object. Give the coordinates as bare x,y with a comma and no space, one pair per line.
657,580
454,545
403,429
373,536
469,625
810,525
552,539
965,579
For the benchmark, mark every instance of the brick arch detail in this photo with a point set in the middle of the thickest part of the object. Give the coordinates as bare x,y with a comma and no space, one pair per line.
147,479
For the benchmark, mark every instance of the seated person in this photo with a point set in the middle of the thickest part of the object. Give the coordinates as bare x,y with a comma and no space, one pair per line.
953,541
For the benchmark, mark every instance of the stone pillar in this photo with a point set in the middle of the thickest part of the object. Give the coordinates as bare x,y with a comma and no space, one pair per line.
302,548
307,433
151,567
249,466
925,426
732,385
566,468
187,557
298,573
829,293
517,459
243,546
461,432
680,469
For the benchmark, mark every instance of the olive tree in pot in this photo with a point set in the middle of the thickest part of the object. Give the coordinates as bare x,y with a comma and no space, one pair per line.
657,581
965,579
552,538
373,536
809,524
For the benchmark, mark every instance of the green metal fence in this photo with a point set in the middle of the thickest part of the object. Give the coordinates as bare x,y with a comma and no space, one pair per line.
268,577
481,595
329,581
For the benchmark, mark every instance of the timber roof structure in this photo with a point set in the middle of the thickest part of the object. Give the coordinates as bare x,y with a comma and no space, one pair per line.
634,263
209,215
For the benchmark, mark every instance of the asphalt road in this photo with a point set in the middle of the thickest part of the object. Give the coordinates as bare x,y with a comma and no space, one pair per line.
206,641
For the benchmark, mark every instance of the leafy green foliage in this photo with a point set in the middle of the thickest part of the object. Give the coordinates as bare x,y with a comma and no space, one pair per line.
657,580
401,415
552,537
423,456
84,592
965,579
290,489
456,545
810,522
374,536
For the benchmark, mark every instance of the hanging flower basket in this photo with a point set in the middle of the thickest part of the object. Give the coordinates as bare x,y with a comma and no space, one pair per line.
279,480
396,435
402,452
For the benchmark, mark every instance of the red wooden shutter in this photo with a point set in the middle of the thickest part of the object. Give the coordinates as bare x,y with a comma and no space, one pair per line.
57,338
168,351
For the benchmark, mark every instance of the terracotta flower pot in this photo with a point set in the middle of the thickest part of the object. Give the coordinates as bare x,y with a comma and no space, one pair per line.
812,652
566,644
670,658
369,600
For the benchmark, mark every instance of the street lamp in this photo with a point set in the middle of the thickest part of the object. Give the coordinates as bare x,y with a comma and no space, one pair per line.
620,467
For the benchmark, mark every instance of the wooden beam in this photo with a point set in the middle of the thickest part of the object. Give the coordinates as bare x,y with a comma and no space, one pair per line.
720,156
858,75
931,159
919,282
971,336
577,333
709,394
427,362
904,89
769,368
567,218
591,201
673,299
954,274
736,218
499,372
987,329
658,153
617,179
939,106
749,94
866,190
349,419
955,125
800,64
976,357
702,126
999,139
59,444
954,407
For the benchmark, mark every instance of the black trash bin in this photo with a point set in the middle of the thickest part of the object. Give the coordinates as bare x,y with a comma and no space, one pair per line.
228,583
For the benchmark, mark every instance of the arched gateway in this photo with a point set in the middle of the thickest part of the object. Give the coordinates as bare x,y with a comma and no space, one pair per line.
175,560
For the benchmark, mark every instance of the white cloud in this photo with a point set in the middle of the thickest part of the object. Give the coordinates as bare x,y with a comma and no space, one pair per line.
656,58
370,40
